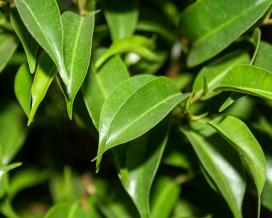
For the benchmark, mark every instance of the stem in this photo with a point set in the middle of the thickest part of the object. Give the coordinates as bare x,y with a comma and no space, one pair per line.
82,5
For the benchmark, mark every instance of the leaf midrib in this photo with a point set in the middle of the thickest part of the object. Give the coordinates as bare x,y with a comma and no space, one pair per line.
229,22
41,29
117,134
70,83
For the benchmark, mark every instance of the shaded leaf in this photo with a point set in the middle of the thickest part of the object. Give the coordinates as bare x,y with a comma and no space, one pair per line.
166,193
266,197
221,164
78,34
132,109
100,84
264,56
140,158
22,88
8,45
138,44
243,141
121,16
212,26
29,44
12,132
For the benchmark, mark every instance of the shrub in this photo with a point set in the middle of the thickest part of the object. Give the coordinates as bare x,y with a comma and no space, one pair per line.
169,99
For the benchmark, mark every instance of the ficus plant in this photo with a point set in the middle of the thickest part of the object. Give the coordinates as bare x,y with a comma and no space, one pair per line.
135,108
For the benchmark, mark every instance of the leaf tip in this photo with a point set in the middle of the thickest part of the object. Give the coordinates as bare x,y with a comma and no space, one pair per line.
70,109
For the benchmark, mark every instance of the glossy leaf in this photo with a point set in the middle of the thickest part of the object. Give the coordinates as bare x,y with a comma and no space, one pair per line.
122,17
166,193
216,71
212,26
42,80
100,84
12,132
29,44
140,158
78,34
243,141
8,45
132,109
248,80
266,197
137,44
221,164
22,88
264,56
43,21
66,210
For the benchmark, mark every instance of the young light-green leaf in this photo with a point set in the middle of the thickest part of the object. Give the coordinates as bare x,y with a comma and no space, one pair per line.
43,21
212,26
243,141
221,164
141,157
100,84
138,44
266,194
249,80
78,35
216,71
8,45
133,108
22,88
121,16
29,44
43,77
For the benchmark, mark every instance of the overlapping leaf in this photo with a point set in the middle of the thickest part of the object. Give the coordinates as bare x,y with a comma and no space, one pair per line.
133,108
78,34
100,84
212,26
221,164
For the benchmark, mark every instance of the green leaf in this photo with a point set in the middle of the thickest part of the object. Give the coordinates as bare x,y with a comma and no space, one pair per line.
230,100
264,56
266,197
221,164
78,35
42,19
216,71
29,44
132,109
121,16
256,38
43,77
100,84
22,88
8,45
12,132
65,210
243,141
166,194
141,157
211,26
249,80
138,44
25,179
